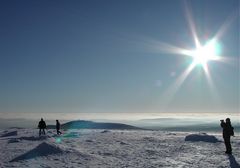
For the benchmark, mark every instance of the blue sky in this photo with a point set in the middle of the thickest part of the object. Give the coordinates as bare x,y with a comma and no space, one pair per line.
100,56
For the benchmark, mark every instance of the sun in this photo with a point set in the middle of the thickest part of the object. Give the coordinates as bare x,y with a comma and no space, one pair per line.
202,54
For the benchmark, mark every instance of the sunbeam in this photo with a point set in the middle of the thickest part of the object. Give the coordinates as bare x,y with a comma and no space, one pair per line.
191,23
201,55
169,94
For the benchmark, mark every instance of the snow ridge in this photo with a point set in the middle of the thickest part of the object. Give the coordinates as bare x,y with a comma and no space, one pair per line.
42,149
201,137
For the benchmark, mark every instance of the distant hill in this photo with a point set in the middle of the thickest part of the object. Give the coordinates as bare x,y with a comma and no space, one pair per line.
184,124
82,124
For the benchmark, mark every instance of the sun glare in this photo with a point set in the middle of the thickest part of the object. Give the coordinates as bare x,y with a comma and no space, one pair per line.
202,54
206,53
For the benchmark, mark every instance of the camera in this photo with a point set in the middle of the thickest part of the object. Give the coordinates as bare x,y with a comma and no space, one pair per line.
221,120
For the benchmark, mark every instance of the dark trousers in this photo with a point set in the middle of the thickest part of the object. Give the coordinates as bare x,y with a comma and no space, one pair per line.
227,144
59,132
41,130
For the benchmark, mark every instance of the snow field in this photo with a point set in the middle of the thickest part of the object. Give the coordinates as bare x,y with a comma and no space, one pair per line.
115,148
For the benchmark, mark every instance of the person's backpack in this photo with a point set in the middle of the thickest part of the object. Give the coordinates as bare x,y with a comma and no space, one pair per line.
231,131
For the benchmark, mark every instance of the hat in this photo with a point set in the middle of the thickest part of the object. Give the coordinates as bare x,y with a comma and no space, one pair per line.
227,119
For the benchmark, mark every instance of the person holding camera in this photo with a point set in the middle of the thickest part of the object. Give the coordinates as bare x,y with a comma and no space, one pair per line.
227,133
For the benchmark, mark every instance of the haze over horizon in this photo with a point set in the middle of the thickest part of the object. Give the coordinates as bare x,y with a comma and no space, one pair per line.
124,56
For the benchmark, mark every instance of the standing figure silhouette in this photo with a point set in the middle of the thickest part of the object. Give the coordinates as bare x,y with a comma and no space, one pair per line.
227,133
58,127
42,126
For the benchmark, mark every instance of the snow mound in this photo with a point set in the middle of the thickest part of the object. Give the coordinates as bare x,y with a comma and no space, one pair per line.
43,149
201,137
123,143
14,140
33,138
12,133
105,131
150,139
88,140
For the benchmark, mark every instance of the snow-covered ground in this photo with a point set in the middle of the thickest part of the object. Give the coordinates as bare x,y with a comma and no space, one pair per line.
115,148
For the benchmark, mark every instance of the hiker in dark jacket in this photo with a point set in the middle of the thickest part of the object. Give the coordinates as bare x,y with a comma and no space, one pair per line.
58,127
42,126
227,133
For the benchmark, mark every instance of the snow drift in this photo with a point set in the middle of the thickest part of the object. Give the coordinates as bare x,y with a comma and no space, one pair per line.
12,133
201,137
43,149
